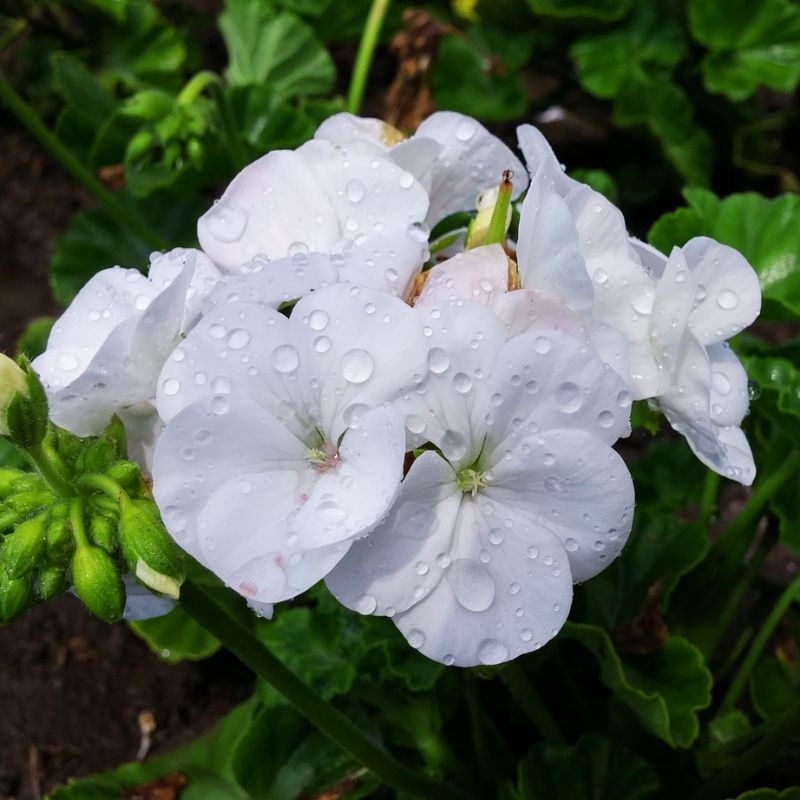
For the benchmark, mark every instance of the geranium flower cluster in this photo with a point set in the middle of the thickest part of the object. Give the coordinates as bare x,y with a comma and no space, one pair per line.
317,396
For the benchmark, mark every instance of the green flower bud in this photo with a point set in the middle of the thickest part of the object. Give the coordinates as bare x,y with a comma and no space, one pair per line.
12,382
16,597
98,456
128,475
28,482
23,548
118,436
67,445
59,541
104,533
97,583
25,503
151,554
52,582
8,477
23,410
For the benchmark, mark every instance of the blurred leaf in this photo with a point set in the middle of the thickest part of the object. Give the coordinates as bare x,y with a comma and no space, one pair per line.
10,456
751,44
114,8
773,686
765,231
792,793
176,637
725,738
477,83
645,416
664,689
596,768
95,240
33,339
206,764
602,9
278,49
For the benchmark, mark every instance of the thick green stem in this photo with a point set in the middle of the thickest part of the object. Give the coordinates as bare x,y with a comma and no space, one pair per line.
329,720
523,692
49,472
122,214
759,643
366,50
101,483
77,522
708,502
731,779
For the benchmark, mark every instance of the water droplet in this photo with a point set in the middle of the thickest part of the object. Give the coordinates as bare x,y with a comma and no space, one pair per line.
462,383
366,604
727,299
605,419
570,545
533,552
643,303
438,360
226,223
496,535
720,383
171,387
418,232
552,484
357,366
472,585
492,651
330,511
67,362
217,331
542,345
416,638
284,358
317,320
569,397
465,130
600,276
238,339
406,180
297,249
322,344
454,445
221,385
355,191
415,423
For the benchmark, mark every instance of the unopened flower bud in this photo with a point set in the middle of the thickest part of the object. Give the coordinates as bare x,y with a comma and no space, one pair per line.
8,477
25,409
97,583
127,474
52,582
24,547
59,541
12,381
104,533
150,552
98,456
25,503
16,596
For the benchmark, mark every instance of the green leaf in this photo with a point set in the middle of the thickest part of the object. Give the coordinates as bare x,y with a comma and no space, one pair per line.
10,456
765,231
792,793
176,637
278,49
95,240
664,689
750,44
33,340
596,768
602,9
773,686
463,80
206,764
114,8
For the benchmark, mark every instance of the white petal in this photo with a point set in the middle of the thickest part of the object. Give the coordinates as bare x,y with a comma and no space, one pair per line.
351,498
371,194
548,247
546,380
471,160
507,591
143,427
478,274
357,349
574,485
729,295
270,205
448,407
141,603
418,155
730,397
524,309
741,466
396,565
345,128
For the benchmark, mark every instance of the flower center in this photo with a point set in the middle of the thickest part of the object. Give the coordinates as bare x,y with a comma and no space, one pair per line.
322,458
471,480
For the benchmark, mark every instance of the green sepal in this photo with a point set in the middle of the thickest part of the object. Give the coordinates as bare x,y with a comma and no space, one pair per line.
26,503
59,541
27,417
52,581
24,547
148,549
128,475
16,595
104,533
8,477
118,436
97,583
98,456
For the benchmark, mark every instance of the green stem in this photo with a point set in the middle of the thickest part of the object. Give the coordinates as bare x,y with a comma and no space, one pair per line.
49,472
366,50
497,231
103,484
759,643
764,491
77,523
779,735
122,214
528,698
708,502
329,720
15,28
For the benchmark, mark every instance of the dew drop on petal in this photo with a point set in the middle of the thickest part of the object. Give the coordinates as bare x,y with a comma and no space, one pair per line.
366,604
284,358
727,299
542,345
720,383
317,320
492,651
438,360
465,130
238,339
322,344
605,419
462,383
569,397
357,366
472,585
67,362
226,223
171,387
355,191
454,445
416,638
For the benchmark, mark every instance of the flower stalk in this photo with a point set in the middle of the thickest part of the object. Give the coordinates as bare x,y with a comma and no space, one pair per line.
366,51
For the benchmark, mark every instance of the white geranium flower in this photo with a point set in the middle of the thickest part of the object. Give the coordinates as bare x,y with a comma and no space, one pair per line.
453,156
705,293
524,495
346,200
106,350
279,450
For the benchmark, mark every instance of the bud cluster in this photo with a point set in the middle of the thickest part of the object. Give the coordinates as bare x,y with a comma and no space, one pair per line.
81,518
